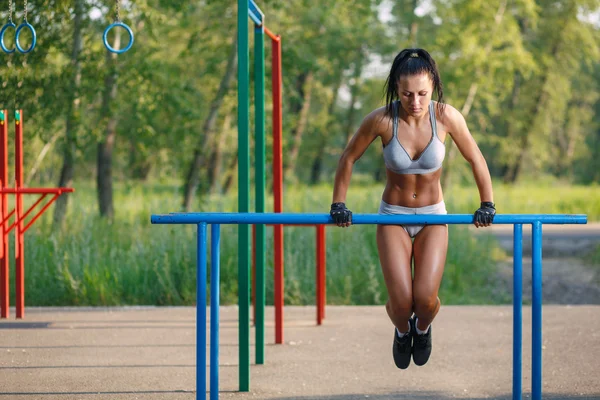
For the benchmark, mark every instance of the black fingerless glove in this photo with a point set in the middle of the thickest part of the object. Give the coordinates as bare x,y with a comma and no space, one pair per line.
340,213
485,214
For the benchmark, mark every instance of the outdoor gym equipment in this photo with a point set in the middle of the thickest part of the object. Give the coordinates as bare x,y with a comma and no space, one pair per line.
19,224
258,231
118,23
18,30
245,219
248,10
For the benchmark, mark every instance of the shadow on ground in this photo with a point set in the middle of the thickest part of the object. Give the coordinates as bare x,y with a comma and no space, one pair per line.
135,392
437,396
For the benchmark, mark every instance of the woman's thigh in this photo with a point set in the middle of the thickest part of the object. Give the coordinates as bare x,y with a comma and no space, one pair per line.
395,254
429,250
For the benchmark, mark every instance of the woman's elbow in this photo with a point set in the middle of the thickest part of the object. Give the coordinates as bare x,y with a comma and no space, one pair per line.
346,160
477,162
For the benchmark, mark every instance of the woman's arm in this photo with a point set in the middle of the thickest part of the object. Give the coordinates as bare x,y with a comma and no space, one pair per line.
368,131
458,130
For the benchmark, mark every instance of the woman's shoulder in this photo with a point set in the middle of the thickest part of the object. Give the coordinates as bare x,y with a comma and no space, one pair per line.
446,114
378,120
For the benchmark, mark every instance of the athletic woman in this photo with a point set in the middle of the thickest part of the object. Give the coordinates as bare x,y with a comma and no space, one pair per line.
413,128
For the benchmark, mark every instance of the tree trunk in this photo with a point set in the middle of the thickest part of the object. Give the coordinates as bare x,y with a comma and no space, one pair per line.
452,149
514,170
414,25
215,164
230,174
304,85
139,164
317,166
349,128
198,160
73,106
40,158
510,129
106,147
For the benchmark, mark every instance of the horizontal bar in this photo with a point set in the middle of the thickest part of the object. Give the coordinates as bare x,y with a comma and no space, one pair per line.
270,34
255,14
358,219
38,190
288,225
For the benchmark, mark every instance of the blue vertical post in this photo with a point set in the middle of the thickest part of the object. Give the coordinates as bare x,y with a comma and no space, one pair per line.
517,311
536,282
201,312
215,242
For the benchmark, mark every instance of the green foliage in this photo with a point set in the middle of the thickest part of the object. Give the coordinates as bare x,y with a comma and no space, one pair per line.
525,72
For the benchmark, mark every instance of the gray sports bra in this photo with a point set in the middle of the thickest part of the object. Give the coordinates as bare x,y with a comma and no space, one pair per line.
397,159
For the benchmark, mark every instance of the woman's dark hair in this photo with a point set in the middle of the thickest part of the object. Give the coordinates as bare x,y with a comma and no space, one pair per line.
412,62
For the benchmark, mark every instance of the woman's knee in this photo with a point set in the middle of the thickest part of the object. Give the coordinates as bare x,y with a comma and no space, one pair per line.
400,308
426,303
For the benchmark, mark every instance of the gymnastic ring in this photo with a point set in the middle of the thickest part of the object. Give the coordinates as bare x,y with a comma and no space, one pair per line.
105,37
33,37
9,24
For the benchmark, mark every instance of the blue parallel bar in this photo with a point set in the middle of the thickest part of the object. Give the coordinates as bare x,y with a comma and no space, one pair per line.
201,313
536,334
517,311
215,242
202,219
359,219
256,15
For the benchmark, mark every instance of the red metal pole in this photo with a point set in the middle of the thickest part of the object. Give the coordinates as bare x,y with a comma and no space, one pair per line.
321,268
19,238
277,187
4,261
23,190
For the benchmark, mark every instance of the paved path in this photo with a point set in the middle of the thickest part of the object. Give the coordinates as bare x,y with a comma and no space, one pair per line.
148,353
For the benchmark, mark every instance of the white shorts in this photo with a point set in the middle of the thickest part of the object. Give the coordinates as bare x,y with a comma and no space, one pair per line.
439,208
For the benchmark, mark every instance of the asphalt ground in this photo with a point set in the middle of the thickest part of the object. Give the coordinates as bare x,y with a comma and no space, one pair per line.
149,353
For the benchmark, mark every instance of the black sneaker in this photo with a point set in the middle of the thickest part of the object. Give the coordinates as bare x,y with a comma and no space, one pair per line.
421,344
402,349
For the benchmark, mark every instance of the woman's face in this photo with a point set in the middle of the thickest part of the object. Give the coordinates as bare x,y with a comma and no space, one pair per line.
415,93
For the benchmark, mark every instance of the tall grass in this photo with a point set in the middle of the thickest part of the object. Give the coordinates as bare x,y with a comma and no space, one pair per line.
534,198
129,261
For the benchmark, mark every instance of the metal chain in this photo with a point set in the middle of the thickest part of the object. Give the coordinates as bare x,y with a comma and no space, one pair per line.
118,11
10,10
25,12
